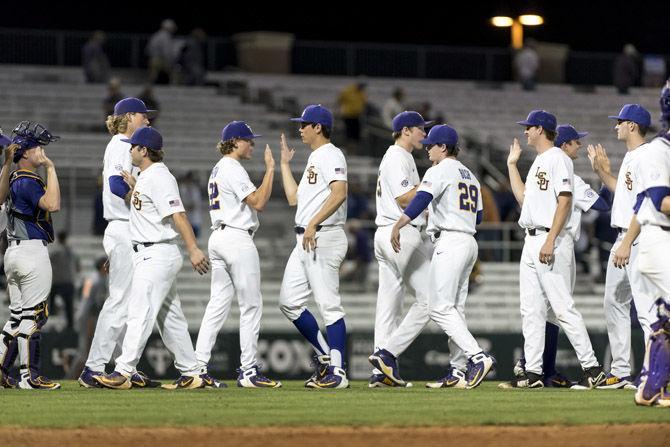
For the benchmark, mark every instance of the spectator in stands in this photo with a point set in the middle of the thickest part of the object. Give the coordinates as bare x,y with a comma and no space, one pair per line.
626,70
352,101
192,58
526,63
94,60
490,215
192,198
99,221
147,95
161,53
393,106
665,108
114,95
94,291
65,265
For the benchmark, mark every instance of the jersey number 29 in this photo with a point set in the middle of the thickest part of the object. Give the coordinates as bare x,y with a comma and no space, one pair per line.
469,197
213,196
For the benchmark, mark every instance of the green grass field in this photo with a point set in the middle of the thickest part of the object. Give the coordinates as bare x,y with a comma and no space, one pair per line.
294,405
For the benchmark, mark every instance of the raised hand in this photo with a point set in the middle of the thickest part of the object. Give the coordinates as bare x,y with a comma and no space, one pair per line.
286,152
269,159
514,152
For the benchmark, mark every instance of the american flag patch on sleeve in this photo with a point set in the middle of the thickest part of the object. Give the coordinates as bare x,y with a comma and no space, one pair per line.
566,181
174,202
341,171
427,183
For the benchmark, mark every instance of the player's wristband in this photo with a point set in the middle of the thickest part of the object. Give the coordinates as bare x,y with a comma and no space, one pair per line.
419,203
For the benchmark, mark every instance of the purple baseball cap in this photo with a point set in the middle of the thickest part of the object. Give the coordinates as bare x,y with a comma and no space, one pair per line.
441,134
635,113
316,114
540,118
147,137
409,119
238,129
4,140
131,105
565,133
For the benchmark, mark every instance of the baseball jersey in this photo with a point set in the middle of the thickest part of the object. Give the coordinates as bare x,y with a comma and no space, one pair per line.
653,171
583,199
154,199
550,174
626,186
397,176
25,219
116,159
325,165
456,197
228,186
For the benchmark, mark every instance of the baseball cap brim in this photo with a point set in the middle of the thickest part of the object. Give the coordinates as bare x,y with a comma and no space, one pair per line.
127,140
426,124
299,120
615,117
581,135
428,141
525,123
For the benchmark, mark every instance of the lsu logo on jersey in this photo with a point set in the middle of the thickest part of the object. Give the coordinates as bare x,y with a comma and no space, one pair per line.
629,181
542,180
137,203
311,175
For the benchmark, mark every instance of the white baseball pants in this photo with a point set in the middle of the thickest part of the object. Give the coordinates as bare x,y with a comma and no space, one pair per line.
315,272
542,285
401,273
111,325
621,287
453,258
234,272
154,299
653,258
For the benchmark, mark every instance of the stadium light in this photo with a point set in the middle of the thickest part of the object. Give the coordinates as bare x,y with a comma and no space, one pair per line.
517,25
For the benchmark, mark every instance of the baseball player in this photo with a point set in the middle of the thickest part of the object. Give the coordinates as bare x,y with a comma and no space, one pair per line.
454,195
547,260
129,115
652,222
408,270
233,206
321,244
156,205
624,285
27,266
585,199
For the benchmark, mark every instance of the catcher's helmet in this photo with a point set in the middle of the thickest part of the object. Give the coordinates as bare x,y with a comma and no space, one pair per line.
29,135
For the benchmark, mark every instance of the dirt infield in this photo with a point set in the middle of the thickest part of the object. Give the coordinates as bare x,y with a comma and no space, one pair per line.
499,436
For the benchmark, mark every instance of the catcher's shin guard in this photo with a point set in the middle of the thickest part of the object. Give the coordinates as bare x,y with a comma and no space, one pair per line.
29,338
656,369
8,344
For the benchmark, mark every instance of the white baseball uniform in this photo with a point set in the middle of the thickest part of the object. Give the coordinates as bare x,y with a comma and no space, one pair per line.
550,175
624,285
111,324
317,272
654,239
407,271
234,272
157,260
452,217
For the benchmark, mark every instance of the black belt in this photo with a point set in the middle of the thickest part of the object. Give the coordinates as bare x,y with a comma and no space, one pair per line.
534,231
145,244
18,241
251,232
664,228
301,230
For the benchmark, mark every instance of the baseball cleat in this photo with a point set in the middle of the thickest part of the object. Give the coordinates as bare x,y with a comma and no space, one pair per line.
335,378
87,380
591,378
528,380
381,381
455,379
37,383
386,362
251,378
7,381
479,366
613,382
557,380
210,382
184,383
320,364
114,381
141,380
664,398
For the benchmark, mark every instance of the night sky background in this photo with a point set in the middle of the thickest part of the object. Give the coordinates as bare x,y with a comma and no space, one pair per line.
583,25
